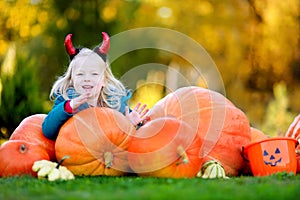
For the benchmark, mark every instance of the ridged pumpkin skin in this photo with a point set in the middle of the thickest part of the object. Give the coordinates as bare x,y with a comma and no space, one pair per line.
17,158
223,128
30,130
294,129
165,147
294,132
234,135
96,139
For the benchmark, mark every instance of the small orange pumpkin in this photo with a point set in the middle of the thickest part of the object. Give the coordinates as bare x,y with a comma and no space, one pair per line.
257,135
30,130
17,157
165,147
96,139
223,128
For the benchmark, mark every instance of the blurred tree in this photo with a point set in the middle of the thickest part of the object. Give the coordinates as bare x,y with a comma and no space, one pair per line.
254,43
22,20
278,117
273,50
20,96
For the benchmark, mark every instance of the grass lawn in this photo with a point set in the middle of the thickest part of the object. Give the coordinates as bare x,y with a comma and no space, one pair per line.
278,186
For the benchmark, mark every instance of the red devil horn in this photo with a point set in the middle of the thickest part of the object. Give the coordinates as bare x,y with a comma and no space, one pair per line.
69,46
105,44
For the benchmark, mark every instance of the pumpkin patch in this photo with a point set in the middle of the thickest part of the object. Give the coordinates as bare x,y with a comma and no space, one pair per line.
96,139
187,128
17,157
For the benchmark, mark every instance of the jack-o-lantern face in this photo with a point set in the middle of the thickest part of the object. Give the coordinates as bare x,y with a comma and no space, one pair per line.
275,153
272,158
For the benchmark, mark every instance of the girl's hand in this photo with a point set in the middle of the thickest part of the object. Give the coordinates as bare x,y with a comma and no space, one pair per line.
76,102
137,115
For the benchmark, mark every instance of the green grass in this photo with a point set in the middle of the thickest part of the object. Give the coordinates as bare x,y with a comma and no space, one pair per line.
279,186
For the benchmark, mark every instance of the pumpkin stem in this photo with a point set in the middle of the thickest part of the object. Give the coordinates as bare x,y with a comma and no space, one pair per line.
108,159
23,148
61,161
183,156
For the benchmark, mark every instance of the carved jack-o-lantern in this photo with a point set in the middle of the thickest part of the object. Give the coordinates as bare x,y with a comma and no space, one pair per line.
272,158
273,153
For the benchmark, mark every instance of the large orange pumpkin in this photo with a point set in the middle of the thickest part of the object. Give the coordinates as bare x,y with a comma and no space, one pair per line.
165,147
96,139
223,128
294,132
30,130
17,157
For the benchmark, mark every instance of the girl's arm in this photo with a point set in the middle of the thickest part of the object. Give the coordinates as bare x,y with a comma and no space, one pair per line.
55,119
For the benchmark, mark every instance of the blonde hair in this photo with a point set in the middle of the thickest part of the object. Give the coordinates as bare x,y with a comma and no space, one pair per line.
111,94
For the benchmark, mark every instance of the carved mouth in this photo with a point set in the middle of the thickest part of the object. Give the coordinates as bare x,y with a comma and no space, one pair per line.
273,164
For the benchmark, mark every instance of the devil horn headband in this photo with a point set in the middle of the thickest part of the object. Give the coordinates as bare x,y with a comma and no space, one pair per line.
101,51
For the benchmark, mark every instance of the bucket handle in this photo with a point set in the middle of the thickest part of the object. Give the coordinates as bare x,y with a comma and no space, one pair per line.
243,154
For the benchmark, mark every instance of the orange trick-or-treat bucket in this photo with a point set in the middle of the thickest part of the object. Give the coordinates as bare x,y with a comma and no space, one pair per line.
272,155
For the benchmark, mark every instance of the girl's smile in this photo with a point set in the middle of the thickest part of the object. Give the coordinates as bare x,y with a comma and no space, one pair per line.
88,75
87,87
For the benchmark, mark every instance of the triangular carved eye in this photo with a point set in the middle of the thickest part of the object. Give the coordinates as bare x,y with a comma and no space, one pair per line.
265,153
277,151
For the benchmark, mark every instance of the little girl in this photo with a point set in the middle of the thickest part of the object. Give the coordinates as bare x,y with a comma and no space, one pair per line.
88,82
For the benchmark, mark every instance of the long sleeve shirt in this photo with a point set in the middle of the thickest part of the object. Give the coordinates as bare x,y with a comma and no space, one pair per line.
58,115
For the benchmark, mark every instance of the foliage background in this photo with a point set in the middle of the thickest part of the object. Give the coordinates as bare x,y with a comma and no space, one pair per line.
254,43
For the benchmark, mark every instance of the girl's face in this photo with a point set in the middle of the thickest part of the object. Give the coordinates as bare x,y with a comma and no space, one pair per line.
88,74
